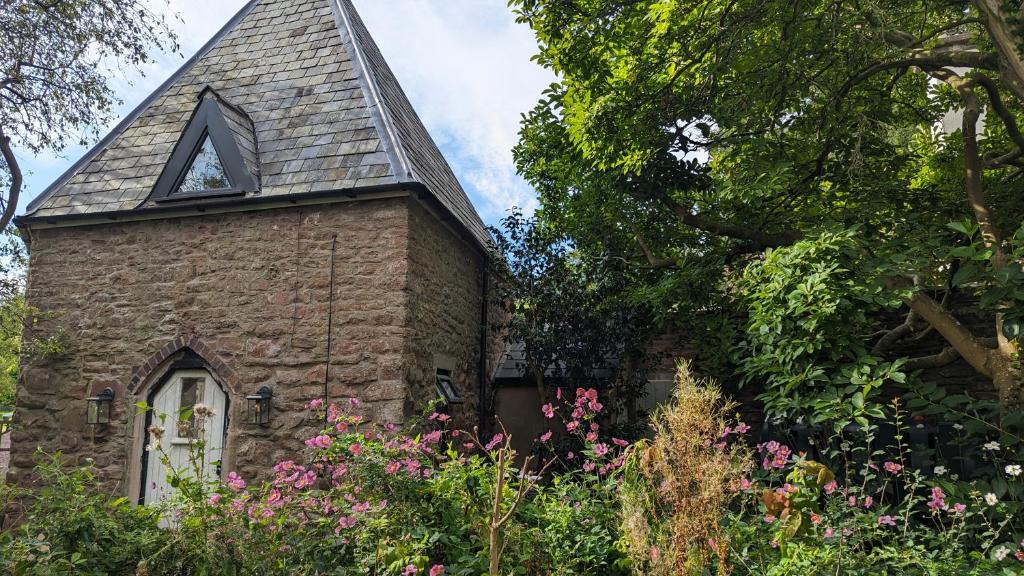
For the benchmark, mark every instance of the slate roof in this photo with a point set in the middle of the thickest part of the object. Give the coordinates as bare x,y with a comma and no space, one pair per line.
326,113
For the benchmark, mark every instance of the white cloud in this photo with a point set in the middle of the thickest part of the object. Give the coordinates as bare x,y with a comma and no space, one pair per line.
465,65
466,68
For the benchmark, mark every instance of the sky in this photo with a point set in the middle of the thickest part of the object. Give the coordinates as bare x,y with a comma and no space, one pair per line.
464,64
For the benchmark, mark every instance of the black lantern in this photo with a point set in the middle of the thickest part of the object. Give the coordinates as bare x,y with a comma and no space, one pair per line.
259,406
98,407
445,389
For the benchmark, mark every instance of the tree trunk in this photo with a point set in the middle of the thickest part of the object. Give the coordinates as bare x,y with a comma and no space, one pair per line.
1009,383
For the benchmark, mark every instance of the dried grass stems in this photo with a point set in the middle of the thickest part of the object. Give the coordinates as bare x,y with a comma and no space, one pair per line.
677,485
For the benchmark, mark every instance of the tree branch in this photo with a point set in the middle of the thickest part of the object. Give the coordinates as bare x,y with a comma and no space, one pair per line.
760,239
1012,69
958,336
14,191
651,259
944,358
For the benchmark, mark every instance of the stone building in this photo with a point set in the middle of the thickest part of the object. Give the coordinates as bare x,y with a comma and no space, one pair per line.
188,256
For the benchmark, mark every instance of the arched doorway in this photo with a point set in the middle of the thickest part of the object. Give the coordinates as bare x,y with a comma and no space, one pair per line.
175,401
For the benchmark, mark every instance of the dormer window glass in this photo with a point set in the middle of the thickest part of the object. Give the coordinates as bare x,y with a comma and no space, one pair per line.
207,172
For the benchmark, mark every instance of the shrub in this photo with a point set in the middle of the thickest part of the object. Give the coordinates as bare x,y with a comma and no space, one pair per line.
678,485
71,527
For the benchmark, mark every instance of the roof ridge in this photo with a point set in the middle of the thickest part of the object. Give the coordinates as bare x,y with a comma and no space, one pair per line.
138,110
368,81
411,145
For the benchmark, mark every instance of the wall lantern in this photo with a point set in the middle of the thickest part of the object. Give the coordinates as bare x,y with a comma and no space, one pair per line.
259,406
445,389
98,407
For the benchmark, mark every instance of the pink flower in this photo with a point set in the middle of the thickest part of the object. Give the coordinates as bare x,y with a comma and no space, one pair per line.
769,519
409,570
591,437
315,403
356,449
572,425
886,521
831,487
353,402
589,466
274,497
745,484
619,442
498,438
868,501
741,428
570,456
322,441
600,449
892,467
959,508
235,482
548,410
829,532
392,467
346,522
308,479
436,570
214,499
333,413
938,499
545,436
341,426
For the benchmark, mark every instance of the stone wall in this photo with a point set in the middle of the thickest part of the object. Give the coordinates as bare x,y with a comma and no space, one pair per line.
250,291
445,291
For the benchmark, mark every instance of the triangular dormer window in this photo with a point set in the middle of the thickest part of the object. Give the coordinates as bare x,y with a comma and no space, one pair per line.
215,156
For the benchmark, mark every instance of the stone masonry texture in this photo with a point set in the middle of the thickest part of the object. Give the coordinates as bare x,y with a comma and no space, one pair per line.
248,292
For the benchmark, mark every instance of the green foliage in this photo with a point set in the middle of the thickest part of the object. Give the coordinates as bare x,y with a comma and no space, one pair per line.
572,312
71,527
698,135
804,338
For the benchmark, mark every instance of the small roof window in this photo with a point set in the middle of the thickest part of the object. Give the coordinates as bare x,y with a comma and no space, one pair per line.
215,155
207,171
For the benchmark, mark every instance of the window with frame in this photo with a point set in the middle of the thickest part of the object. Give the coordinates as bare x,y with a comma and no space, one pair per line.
191,392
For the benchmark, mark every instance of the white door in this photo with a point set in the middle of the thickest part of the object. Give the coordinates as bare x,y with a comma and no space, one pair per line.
176,397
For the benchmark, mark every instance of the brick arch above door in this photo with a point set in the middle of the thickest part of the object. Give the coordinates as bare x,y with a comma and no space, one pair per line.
145,371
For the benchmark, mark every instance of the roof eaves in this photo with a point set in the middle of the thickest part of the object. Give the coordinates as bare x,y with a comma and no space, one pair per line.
138,110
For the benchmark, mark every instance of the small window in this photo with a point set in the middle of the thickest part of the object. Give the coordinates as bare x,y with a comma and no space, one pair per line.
445,389
207,171
191,389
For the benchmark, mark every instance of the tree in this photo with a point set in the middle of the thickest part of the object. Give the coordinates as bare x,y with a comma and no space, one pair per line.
704,137
571,313
57,58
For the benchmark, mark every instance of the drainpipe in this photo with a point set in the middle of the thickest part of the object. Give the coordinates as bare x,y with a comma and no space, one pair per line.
482,367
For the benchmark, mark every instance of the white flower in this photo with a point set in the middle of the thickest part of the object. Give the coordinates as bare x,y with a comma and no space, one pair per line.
993,445
1000,553
991,499
958,426
202,410
940,470
1013,469
920,425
